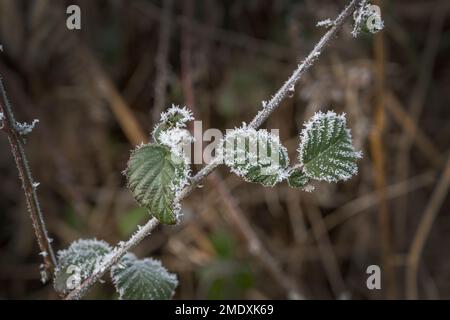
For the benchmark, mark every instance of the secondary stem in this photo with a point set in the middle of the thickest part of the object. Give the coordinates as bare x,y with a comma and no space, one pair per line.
16,142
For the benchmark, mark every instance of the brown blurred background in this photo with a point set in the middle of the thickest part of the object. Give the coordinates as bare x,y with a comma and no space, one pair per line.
99,91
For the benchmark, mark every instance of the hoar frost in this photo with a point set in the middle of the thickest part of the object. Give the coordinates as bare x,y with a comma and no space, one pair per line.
255,155
176,139
325,23
142,279
367,17
80,260
326,152
181,114
25,128
174,118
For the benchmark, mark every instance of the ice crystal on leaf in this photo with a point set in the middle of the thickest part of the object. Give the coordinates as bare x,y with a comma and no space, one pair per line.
176,140
255,155
155,177
143,279
326,151
174,117
78,262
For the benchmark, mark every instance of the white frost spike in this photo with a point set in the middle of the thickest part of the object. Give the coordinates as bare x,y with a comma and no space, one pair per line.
325,23
291,91
25,128
2,117
44,274
264,103
326,151
184,112
36,184
309,188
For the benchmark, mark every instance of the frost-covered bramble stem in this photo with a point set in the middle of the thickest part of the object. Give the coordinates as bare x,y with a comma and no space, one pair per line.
15,132
113,258
262,115
282,93
304,66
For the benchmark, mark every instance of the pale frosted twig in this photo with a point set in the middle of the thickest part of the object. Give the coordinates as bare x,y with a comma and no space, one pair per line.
262,115
15,136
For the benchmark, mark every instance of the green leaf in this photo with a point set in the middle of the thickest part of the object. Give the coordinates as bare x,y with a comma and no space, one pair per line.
155,175
297,179
257,156
78,262
144,279
326,151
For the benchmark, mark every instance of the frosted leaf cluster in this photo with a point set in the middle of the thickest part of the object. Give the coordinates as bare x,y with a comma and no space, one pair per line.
255,155
157,172
78,262
174,117
367,18
326,152
144,279
133,278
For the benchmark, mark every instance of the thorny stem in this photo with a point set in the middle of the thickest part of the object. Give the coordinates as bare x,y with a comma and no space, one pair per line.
16,142
257,121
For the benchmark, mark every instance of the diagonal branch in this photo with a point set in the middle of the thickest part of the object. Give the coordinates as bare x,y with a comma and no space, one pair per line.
15,136
268,109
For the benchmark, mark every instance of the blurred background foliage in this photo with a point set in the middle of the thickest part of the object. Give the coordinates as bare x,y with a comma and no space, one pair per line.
97,93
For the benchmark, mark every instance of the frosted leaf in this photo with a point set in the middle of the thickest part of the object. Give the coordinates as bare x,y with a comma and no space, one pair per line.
25,128
256,155
174,117
155,177
176,139
326,151
78,262
144,279
325,23
297,179
367,18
